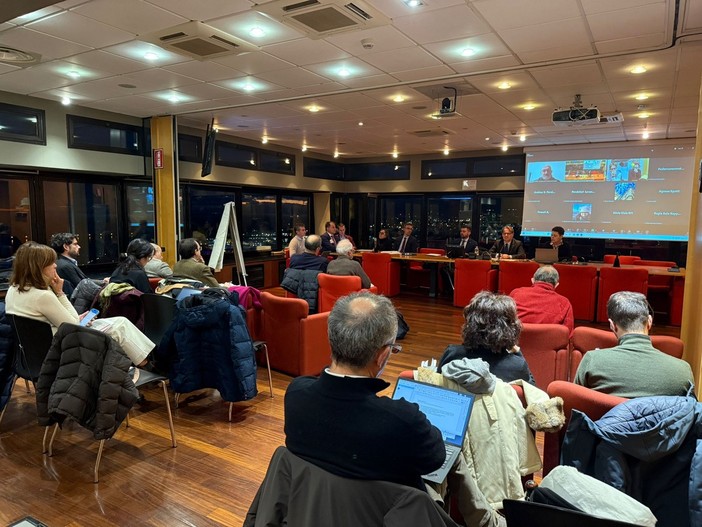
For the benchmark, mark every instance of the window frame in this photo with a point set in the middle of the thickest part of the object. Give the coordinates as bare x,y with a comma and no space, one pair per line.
72,120
26,111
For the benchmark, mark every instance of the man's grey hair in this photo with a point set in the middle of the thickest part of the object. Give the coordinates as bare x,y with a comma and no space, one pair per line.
359,325
628,310
344,247
548,274
313,242
60,239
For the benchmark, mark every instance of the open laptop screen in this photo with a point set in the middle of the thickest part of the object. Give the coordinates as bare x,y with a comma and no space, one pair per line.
447,410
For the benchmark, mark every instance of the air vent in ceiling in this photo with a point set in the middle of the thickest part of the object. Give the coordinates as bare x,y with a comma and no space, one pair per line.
320,18
18,57
432,132
199,41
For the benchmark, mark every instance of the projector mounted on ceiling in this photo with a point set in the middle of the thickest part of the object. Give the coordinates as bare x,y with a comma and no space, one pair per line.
578,115
447,105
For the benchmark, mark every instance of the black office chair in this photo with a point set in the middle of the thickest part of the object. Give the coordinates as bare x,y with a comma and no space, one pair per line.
159,312
32,342
529,514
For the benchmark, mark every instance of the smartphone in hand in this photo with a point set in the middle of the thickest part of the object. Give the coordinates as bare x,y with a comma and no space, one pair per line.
89,316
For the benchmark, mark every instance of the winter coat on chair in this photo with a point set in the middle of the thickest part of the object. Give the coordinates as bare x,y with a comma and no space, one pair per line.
649,448
304,284
7,371
208,346
85,377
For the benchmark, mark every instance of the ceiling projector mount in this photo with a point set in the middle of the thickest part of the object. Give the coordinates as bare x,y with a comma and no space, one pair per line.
446,105
578,115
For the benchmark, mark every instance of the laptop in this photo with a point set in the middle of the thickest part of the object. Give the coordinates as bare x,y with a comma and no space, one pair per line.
546,256
185,292
447,410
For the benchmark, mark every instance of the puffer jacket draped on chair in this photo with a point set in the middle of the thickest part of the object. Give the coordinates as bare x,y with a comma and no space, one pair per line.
208,346
85,377
7,372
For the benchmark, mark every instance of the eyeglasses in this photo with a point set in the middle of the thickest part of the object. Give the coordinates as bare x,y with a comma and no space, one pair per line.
394,348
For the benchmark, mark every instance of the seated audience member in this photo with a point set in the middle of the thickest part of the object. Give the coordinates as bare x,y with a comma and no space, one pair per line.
329,238
297,244
407,243
156,267
345,265
36,292
131,269
508,248
192,265
384,241
342,234
310,259
67,249
491,332
540,304
633,368
338,422
557,242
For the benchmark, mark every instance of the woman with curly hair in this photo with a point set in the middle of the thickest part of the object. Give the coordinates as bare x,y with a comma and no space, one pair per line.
490,332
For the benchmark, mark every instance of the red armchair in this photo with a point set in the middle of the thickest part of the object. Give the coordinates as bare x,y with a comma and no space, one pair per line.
591,403
470,277
515,274
383,272
417,275
331,288
545,348
624,259
585,339
298,344
578,283
615,279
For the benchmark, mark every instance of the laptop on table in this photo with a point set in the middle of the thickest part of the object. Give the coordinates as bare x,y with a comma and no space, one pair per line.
546,256
447,410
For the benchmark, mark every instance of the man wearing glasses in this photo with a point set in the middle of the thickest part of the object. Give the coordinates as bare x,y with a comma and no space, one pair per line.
192,265
67,250
339,423
508,248
632,368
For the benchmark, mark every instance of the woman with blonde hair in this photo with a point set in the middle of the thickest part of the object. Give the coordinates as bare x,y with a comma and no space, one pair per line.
36,292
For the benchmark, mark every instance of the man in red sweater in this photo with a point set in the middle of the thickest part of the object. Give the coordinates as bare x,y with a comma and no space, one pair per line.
540,304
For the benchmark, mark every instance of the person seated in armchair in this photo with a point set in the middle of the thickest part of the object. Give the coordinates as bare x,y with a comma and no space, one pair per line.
310,259
345,265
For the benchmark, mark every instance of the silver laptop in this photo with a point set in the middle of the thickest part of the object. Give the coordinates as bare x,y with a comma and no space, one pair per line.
447,410
546,256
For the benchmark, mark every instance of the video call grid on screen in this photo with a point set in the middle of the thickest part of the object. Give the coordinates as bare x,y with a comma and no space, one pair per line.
623,192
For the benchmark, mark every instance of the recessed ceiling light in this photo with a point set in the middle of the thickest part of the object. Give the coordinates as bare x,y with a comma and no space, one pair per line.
641,97
248,86
65,101
487,138
73,74
173,97
343,72
467,52
637,70
336,154
413,3
304,148
399,98
446,150
394,155
644,115
529,107
151,56
257,32
504,85
264,140
504,148
522,138
645,135
360,123
314,108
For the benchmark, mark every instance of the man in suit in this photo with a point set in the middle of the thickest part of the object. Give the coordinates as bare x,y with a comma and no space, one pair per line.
407,243
508,248
192,265
343,236
67,250
466,246
329,238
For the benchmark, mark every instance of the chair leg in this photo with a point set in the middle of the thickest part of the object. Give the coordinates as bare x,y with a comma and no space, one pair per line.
2,414
51,443
231,407
26,384
126,421
268,365
97,461
170,415
175,399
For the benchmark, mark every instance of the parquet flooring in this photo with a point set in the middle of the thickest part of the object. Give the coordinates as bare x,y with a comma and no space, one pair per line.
209,480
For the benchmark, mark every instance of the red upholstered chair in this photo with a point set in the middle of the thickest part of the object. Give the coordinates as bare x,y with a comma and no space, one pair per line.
591,403
585,339
470,277
624,259
383,272
660,287
297,343
545,348
515,274
615,279
578,283
287,257
331,288
153,282
417,275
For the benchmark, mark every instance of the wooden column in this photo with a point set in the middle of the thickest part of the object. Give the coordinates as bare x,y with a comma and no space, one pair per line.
692,309
165,182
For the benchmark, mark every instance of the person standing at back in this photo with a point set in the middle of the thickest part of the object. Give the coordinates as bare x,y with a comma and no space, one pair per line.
407,243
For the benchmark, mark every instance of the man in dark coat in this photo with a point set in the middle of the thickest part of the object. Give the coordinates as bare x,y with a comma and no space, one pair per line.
508,248
330,237
67,250
407,243
310,259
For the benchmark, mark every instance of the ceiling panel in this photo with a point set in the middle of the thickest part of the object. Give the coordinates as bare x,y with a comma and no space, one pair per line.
135,16
68,26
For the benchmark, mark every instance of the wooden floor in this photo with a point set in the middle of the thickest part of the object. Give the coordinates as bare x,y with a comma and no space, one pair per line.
210,479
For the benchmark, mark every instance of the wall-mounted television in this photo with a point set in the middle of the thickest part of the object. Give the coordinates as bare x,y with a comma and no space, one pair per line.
208,150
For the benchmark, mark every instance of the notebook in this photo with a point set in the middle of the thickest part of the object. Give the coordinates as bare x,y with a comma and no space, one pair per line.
546,256
447,410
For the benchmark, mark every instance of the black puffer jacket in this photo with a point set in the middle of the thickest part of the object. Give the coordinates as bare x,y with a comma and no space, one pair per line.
84,377
304,284
7,372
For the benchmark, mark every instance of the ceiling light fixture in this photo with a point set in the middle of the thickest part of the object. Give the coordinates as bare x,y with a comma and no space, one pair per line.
248,86
360,123
304,148
636,70
314,108
467,52
645,135
446,150
504,148
504,85
173,97
641,97
73,74
151,56
264,140
257,32
529,107
395,154
644,115
399,98
522,138
344,72
65,101
336,154
413,3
